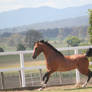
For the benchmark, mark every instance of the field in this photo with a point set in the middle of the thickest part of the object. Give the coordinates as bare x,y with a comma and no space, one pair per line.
13,61
66,88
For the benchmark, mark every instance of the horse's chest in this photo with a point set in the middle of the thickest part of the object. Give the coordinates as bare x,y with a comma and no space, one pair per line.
52,63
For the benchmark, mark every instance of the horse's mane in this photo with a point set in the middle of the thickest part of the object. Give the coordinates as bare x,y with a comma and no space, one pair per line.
48,44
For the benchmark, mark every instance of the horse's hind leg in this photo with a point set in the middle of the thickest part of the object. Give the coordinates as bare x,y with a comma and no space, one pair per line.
86,72
89,77
83,68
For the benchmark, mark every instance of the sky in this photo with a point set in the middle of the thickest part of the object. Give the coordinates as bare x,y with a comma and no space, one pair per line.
7,5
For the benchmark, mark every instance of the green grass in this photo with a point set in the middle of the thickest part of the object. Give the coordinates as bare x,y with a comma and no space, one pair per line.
11,61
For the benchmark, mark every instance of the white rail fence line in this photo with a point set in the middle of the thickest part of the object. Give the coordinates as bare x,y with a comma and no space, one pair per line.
22,68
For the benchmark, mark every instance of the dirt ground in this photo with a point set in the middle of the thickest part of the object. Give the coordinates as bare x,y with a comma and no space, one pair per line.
48,89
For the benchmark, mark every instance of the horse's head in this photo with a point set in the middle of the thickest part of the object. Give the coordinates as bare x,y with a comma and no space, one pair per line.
37,49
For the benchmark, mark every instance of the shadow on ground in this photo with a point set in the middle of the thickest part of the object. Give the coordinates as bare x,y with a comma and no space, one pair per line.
20,89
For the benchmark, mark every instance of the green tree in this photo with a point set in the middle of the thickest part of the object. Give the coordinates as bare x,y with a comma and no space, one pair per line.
31,37
21,47
90,26
72,41
1,49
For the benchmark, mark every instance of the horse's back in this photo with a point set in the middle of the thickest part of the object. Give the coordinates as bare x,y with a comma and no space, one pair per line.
76,58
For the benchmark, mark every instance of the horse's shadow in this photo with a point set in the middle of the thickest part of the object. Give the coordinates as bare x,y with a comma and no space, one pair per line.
71,89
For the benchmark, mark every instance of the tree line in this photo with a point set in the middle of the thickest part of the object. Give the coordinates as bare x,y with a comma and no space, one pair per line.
73,36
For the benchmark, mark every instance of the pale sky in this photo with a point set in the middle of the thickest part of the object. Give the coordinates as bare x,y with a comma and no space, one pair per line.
6,5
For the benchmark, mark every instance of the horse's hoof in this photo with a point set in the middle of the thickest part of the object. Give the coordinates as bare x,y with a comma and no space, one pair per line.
77,85
83,86
40,89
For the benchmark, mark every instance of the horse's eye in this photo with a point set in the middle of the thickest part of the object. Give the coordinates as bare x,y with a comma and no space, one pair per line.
36,48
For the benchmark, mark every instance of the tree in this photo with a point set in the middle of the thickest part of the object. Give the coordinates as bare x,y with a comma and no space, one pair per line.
31,37
90,26
21,47
15,39
1,49
72,41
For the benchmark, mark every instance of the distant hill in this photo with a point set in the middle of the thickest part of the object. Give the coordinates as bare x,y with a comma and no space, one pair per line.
66,23
28,16
71,22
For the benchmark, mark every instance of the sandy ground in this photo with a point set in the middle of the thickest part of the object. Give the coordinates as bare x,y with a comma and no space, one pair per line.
48,89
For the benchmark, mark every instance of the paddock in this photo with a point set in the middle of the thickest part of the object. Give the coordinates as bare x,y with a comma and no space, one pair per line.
22,76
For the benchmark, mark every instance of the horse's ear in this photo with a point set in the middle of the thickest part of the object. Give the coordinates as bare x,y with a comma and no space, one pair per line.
41,40
47,41
34,42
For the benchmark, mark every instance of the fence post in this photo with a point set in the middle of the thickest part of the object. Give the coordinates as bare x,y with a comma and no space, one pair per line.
77,72
20,79
2,80
22,69
32,81
60,78
40,75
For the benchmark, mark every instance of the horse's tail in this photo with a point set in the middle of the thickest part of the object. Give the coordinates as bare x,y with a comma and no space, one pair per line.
89,52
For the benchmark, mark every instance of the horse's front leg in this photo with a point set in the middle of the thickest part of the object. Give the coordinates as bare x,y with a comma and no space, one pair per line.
45,79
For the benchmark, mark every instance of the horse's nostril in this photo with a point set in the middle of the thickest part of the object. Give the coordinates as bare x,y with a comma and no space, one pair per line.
33,56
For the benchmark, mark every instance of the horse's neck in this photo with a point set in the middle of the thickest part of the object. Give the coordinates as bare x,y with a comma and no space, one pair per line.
48,52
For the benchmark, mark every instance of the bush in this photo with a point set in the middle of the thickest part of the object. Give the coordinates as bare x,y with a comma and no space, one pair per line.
31,37
21,47
1,49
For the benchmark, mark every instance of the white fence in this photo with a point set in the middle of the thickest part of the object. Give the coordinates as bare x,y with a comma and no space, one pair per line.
22,68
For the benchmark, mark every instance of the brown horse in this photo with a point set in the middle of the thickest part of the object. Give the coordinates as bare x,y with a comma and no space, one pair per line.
56,61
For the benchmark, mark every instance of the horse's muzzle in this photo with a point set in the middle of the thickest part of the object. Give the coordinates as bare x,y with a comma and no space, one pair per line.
34,56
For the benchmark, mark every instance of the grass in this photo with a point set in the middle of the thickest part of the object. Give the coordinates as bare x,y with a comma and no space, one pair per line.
13,61
26,64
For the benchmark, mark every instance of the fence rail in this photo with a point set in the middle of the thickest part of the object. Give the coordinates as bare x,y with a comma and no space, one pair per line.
22,67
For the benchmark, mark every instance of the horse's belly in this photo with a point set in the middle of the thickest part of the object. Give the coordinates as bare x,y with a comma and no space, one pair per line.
61,66
67,67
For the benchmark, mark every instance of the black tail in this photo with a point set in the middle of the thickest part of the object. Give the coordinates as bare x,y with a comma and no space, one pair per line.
89,52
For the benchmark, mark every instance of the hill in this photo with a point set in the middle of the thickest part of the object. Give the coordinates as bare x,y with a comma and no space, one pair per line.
66,23
71,22
28,16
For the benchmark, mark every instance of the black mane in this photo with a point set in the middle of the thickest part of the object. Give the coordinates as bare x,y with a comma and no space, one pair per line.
48,44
